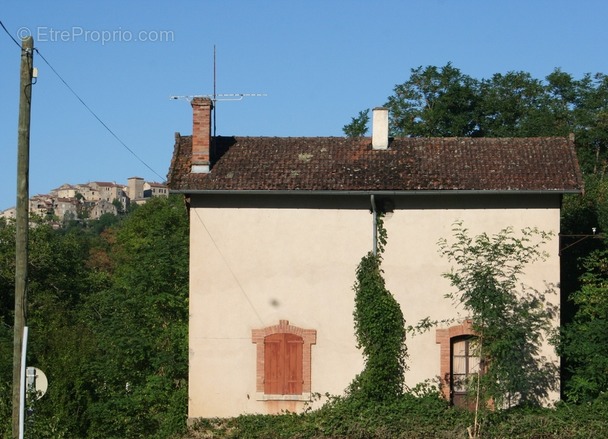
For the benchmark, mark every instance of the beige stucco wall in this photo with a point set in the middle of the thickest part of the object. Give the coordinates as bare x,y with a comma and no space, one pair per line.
252,267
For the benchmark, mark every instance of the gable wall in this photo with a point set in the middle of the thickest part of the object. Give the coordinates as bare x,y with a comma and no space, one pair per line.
251,267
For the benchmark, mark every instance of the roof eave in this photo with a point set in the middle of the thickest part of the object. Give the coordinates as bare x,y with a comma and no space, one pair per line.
379,192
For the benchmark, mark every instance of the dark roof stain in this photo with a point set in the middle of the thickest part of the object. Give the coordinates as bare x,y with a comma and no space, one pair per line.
410,164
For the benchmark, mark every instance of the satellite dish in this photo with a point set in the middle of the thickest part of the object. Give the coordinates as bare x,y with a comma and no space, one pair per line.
36,381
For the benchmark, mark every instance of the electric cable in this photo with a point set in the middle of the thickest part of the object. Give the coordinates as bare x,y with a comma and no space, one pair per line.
89,109
9,34
225,260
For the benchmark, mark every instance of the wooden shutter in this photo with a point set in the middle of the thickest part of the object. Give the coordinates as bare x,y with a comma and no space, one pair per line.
272,364
293,364
283,364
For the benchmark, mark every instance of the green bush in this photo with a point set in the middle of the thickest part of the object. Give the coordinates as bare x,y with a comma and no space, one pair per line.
410,417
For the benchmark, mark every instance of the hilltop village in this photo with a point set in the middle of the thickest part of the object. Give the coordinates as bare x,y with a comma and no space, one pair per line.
91,200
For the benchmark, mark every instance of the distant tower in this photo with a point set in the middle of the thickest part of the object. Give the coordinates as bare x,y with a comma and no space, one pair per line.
135,188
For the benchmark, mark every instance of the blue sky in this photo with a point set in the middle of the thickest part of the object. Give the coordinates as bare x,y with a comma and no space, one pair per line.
318,61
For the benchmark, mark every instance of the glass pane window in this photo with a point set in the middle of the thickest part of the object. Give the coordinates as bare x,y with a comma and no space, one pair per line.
464,368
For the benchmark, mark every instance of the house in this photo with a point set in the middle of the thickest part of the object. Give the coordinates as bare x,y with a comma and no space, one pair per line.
40,205
110,192
102,207
66,207
279,225
86,192
154,189
65,191
9,213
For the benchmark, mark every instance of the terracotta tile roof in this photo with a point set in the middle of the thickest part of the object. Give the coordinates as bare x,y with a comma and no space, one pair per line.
410,164
104,183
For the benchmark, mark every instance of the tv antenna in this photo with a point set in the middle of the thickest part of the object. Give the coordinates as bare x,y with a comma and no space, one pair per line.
219,97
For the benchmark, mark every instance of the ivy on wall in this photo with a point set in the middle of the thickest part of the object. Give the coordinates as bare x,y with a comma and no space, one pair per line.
380,331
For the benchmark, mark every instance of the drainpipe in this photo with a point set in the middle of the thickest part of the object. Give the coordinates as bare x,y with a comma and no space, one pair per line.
375,225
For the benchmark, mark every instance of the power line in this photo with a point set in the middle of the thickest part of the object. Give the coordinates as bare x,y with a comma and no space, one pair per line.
225,260
96,116
9,34
86,106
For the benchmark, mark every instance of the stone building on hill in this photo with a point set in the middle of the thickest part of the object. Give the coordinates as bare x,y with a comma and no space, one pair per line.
91,200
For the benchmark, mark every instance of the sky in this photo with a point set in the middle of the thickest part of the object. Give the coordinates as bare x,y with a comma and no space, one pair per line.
317,62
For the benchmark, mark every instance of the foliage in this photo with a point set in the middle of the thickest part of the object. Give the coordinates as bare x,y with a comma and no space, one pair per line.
412,417
406,416
444,102
108,311
358,125
55,288
583,342
380,331
142,350
517,105
510,319
434,102
566,421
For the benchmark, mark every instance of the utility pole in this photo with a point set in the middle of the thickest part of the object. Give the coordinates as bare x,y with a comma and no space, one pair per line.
22,221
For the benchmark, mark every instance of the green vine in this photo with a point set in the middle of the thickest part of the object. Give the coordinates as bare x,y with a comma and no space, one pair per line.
380,331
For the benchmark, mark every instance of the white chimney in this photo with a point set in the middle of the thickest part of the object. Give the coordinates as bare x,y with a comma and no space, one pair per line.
380,128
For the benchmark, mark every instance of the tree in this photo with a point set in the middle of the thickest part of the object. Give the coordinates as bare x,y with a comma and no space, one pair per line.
57,283
515,105
380,332
444,102
120,209
591,123
139,369
358,125
7,294
583,342
108,324
434,102
511,320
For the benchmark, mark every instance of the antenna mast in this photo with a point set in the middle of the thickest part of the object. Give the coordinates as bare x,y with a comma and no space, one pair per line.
214,93
216,97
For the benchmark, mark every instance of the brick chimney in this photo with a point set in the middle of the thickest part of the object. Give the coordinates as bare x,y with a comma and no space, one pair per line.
201,135
380,128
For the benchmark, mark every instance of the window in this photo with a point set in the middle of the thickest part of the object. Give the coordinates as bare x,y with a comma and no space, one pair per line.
464,368
283,362
458,362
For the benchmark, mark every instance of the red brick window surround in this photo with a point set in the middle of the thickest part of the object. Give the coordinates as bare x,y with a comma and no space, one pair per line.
448,340
283,362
